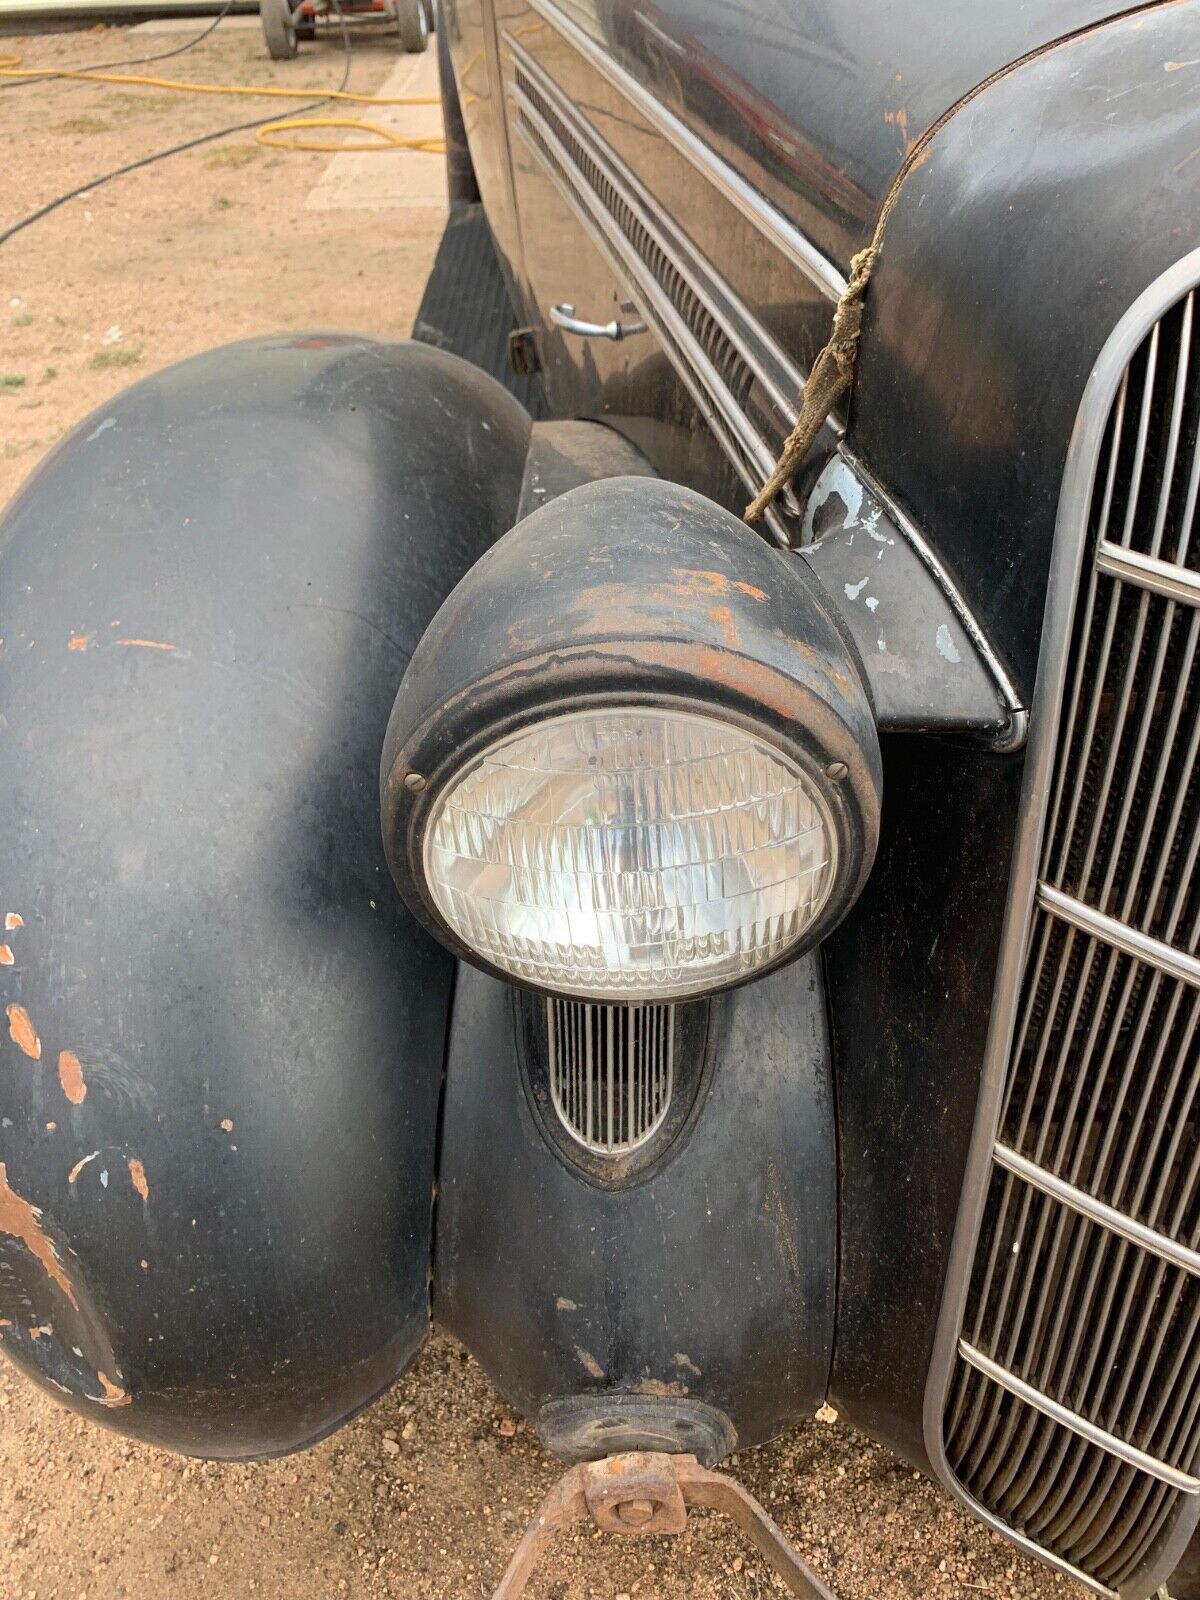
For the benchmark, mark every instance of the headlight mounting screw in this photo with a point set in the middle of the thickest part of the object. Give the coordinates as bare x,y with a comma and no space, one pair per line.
836,770
414,782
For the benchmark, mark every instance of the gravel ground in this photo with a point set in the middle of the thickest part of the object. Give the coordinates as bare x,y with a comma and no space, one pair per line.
427,1493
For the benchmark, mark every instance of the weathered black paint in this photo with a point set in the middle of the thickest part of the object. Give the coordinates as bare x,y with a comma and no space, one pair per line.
998,284
207,598
633,591
711,1280
1039,212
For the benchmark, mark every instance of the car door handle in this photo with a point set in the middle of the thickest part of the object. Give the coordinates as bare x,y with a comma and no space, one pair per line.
563,316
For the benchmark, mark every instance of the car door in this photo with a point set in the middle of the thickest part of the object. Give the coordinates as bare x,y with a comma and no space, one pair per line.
616,223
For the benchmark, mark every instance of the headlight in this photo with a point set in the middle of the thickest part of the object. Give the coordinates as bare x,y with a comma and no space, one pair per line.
630,853
632,757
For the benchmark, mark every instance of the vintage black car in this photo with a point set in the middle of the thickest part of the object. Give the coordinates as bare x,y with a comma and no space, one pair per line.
777,978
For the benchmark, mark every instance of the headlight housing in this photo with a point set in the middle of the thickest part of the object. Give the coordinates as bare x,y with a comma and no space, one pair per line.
632,758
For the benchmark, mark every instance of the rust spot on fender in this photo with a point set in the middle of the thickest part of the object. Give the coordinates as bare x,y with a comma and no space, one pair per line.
137,1176
723,617
70,1075
699,583
22,1032
144,644
79,641
23,1222
588,1362
658,1387
73,1175
13,920
899,119
114,1395
6,956
226,1124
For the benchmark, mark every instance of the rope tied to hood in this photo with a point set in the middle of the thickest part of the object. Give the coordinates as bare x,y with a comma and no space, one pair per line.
831,376
833,371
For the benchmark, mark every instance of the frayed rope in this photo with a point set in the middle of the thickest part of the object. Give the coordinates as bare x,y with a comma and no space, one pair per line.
831,375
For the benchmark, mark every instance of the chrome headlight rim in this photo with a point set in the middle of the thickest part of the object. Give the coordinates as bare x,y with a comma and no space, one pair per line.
634,986
412,810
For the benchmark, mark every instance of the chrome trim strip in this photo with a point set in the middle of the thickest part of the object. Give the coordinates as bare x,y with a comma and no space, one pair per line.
701,378
1129,1453
759,212
785,384
1149,572
1018,715
1070,539
1175,963
1087,1205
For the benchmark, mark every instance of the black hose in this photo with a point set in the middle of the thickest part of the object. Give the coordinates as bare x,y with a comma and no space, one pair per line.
132,61
176,149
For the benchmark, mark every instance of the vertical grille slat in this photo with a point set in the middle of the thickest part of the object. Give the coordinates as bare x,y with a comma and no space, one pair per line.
611,1072
1072,1414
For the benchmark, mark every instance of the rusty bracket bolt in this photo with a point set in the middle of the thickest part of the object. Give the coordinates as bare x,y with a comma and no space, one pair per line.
637,1513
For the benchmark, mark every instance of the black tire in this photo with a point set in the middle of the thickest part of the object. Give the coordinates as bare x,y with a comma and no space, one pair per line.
279,30
412,24
430,9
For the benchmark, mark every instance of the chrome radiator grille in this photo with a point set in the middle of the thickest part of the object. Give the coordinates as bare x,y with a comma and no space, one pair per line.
612,1071
1073,1410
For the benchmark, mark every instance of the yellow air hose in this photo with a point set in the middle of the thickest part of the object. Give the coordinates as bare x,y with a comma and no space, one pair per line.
269,133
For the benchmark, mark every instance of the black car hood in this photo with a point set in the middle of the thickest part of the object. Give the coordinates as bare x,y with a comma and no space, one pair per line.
817,102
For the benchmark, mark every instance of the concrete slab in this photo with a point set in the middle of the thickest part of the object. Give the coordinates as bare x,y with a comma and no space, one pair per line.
231,24
390,180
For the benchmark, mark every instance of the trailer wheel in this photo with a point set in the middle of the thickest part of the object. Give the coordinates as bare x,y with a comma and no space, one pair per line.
412,24
279,30
429,7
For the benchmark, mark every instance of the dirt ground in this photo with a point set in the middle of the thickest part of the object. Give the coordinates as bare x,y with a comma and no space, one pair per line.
206,247
427,1493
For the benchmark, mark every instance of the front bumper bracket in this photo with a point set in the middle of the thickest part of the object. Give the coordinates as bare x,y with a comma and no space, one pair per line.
648,1492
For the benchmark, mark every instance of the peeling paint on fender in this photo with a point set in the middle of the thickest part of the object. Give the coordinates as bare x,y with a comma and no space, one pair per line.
946,646
589,1363
137,1176
723,617
23,1033
23,1222
114,1395
70,1076
79,1166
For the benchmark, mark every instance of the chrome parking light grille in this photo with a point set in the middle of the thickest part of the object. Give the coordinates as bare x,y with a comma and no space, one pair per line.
611,1071
1073,1412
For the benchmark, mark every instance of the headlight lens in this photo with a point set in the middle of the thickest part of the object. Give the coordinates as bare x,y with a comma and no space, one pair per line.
630,853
